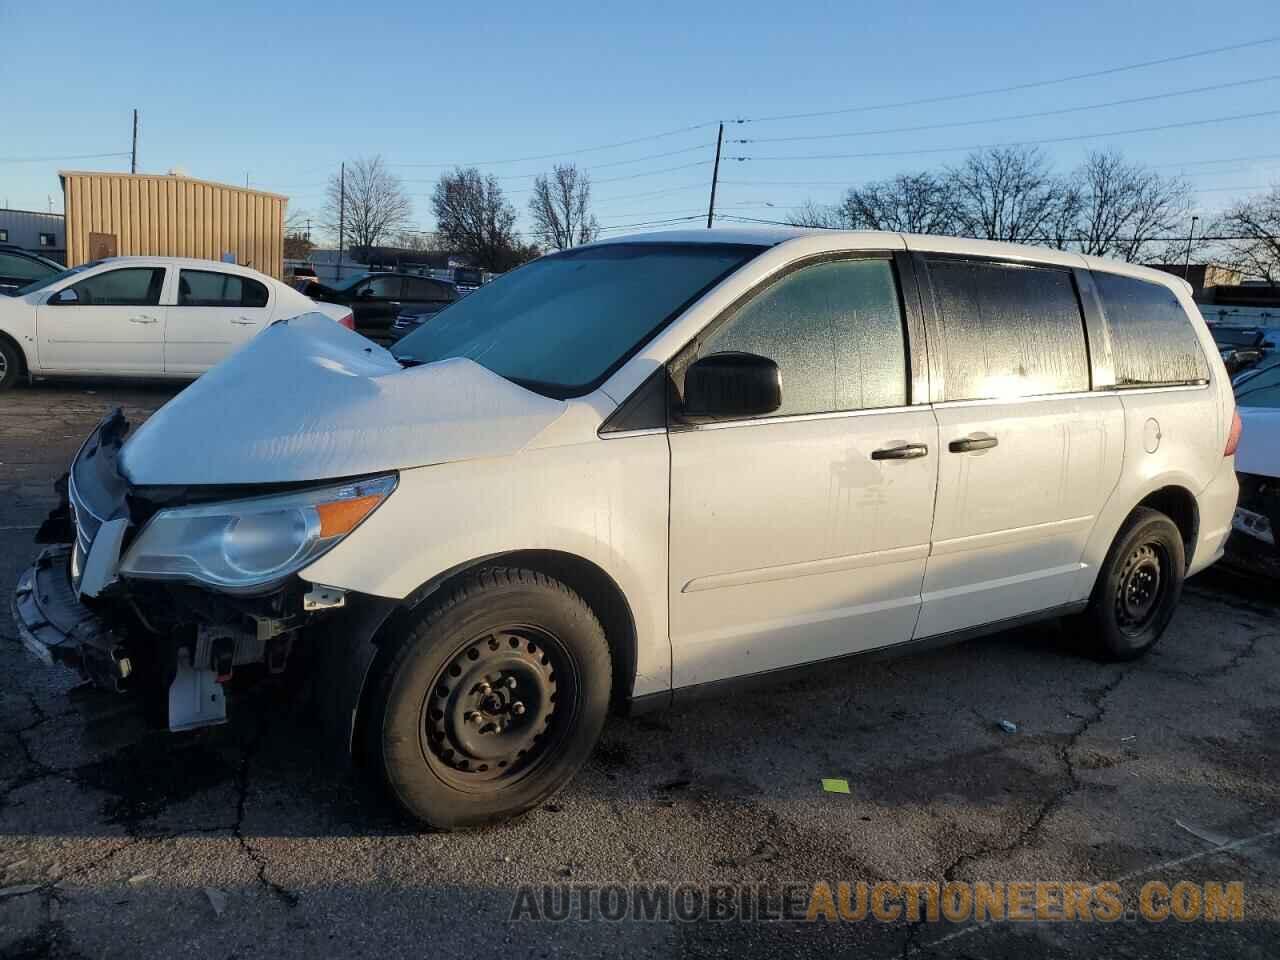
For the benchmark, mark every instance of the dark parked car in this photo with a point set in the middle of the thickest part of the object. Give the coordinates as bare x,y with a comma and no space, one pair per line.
1242,347
377,299
18,268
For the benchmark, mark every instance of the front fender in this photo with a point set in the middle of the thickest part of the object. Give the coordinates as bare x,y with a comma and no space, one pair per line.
604,501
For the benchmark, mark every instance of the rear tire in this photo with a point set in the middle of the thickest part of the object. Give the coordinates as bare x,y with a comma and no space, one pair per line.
1138,588
10,364
490,698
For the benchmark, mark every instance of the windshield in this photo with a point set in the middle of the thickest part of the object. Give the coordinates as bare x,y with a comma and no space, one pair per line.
53,278
563,323
1260,390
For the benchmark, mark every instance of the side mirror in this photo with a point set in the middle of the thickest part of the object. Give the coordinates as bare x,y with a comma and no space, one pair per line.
65,297
732,385
365,294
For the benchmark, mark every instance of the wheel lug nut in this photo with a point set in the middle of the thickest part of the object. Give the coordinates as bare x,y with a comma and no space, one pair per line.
473,716
484,688
511,683
517,708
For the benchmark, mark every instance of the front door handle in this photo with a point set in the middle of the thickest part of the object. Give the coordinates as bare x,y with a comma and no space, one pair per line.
903,451
970,444
143,320
245,322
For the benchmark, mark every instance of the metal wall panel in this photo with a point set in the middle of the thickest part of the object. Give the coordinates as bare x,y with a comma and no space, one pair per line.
171,216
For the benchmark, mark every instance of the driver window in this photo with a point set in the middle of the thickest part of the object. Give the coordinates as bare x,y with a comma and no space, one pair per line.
130,287
834,330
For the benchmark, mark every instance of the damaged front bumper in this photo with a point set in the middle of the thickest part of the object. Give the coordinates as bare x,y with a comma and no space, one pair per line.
56,627
174,639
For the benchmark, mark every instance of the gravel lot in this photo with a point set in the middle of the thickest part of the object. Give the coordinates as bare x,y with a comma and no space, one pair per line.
111,833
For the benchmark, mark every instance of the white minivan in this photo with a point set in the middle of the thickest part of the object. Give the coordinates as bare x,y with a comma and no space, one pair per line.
640,469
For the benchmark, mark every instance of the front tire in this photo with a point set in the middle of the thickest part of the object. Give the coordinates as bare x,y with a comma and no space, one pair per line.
490,698
1138,587
10,364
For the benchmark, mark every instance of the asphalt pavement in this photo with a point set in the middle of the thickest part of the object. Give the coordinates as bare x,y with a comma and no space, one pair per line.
244,840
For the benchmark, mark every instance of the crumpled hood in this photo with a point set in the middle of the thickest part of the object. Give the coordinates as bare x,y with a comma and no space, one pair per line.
311,400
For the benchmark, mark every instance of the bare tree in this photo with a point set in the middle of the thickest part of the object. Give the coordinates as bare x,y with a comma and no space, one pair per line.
297,235
374,208
1009,193
1257,221
415,240
812,214
1125,207
561,208
921,202
474,217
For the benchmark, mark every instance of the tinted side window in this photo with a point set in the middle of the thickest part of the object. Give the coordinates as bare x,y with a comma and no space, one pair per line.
835,332
1152,340
131,287
1008,331
21,268
206,288
384,288
417,288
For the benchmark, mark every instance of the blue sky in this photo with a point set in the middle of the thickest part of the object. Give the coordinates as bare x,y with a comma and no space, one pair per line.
283,92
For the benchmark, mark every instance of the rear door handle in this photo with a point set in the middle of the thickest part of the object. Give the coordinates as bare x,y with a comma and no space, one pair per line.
143,320
245,322
970,444
904,451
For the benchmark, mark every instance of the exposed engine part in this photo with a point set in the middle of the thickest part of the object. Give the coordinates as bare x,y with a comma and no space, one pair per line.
323,598
196,698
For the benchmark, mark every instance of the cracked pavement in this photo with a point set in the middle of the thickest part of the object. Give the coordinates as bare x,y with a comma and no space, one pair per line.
1167,768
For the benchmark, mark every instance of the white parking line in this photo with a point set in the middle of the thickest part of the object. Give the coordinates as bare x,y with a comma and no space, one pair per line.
1167,864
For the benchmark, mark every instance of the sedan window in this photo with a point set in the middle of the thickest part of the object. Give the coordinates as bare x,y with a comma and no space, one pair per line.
130,287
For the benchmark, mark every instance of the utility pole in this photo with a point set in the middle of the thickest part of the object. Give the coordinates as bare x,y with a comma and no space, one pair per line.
133,154
342,212
715,175
1186,267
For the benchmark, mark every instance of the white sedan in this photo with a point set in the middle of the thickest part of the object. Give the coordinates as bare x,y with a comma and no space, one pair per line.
141,317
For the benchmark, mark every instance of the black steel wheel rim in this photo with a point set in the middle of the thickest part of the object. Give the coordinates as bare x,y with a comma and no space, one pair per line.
498,708
1144,579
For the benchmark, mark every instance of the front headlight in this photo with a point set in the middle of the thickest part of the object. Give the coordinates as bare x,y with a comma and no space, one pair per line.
249,546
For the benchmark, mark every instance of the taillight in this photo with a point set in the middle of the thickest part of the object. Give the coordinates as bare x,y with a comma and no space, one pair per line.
1233,438
348,321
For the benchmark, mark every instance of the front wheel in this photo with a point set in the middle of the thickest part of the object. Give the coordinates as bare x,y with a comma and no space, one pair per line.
1138,587
489,699
10,364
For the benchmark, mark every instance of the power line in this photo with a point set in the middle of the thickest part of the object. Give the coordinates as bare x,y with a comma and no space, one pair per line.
1021,143
80,156
654,223
1198,163
1013,116
947,98
599,166
565,153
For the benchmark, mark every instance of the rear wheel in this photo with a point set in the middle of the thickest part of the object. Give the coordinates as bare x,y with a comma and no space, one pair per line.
490,699
10,364
1138,587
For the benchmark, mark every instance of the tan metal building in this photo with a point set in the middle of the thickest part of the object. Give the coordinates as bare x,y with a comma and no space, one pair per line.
122,214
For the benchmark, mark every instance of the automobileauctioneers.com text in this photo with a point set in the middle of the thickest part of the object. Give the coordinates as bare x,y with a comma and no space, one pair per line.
882,901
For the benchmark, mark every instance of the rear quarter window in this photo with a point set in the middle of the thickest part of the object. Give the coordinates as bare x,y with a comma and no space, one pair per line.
1152,340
